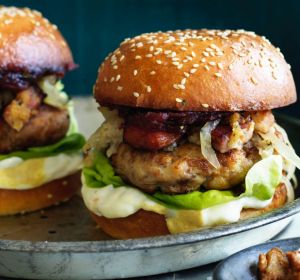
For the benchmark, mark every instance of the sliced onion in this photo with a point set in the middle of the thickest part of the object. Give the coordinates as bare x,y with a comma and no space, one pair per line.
284,149
289,189
205,141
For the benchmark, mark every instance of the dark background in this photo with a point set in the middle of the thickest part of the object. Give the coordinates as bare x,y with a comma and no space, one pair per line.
94,28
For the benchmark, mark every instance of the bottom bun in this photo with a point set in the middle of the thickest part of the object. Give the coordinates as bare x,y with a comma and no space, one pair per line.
146,224
22,201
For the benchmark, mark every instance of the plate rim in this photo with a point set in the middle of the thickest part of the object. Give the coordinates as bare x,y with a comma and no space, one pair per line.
102,246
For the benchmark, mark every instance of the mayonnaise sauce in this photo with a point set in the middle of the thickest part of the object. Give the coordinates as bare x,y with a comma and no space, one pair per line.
121,202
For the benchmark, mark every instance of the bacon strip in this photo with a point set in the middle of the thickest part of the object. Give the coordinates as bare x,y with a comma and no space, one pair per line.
149,140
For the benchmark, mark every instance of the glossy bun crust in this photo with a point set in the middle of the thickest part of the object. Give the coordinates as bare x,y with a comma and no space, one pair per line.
22,201
145,223
30,44
196,70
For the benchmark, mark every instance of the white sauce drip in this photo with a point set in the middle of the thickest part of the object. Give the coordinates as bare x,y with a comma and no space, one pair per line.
121,202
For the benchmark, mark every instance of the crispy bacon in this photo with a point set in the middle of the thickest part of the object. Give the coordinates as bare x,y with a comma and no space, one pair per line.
168,121
232,133
19,111
149,140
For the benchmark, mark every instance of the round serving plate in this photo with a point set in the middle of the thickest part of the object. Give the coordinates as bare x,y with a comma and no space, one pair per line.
109,259
63,243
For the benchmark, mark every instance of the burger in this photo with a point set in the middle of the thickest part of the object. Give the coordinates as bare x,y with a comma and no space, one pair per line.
189,139
40,157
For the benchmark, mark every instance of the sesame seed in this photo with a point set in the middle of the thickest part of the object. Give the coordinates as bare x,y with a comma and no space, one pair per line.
206,67
115,66
181,86
213,46
241,54
152,73
260,63
158,61
186,74
193,54
212,63
220,66
230,67
203,59
189,57
167,51
191,44
253,80
149,89
138,57
183,81
206,54
175,62
183,48
151,48
218,75
179,66
205,105
193,70
118,77
136,94
139,45
175,86
219,53
149,55
274,75
135,72
112,79
195,65
185,60
119,88
122,57
179,100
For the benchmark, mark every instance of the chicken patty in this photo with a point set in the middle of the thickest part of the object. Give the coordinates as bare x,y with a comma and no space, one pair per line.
182,170
46,126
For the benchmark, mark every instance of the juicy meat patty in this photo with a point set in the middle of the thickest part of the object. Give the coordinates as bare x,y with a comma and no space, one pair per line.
46,126
182,170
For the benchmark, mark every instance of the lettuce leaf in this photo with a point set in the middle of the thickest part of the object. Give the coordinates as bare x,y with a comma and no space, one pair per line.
260,182
69,144
101,173
196,200
263,178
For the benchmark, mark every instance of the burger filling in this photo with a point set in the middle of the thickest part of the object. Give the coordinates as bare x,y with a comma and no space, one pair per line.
196,168
38,132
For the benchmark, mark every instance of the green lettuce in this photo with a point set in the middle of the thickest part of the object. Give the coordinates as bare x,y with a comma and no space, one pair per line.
69,144
101,173
260,182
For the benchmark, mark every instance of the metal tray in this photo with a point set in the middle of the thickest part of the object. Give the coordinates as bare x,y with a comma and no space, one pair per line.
62,242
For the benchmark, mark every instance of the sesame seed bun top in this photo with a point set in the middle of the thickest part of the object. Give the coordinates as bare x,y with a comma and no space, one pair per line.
29,43
199,70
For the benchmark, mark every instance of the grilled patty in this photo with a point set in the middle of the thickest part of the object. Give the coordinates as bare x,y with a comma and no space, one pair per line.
46,126
182,170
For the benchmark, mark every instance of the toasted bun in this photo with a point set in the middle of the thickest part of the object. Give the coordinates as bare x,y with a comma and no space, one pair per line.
196,70
22,201
30,43
145,223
